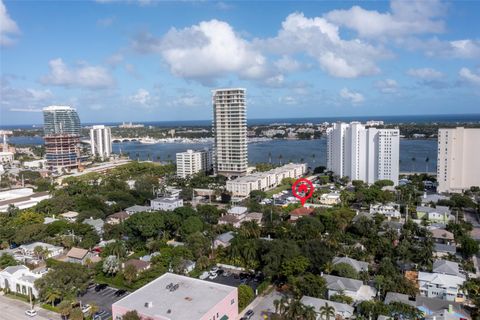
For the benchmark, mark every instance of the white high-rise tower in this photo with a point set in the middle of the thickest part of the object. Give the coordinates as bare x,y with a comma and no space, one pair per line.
458,163
101,141
230,130
360,153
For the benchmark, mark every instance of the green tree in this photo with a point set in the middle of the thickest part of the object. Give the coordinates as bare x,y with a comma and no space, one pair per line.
76,314
52,295
130,273
131,315
245,296
327,312
64,307
345,270
7,260
469,246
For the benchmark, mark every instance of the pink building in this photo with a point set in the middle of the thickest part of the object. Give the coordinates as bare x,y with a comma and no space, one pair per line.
175,297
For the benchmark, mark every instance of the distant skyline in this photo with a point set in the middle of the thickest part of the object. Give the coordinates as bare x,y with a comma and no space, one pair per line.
158,61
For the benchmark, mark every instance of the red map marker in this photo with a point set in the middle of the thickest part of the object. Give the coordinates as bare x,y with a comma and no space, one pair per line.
305,187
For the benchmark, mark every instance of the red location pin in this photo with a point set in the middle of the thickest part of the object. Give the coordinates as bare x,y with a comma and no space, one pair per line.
305,187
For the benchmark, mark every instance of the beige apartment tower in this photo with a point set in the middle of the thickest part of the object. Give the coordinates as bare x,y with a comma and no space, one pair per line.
458,163
230,131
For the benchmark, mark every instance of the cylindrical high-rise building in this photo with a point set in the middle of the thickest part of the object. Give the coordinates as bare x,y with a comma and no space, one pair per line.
101,141
230,131
62,137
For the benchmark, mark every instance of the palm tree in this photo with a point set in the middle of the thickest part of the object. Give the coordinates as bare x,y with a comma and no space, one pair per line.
65,307
427,159
327,312
309,313
413,164
52,295
328,268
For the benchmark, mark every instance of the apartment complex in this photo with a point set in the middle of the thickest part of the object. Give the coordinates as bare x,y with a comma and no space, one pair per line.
101,141
230,131
361,153
191,162
176,297
242,186
458,159
61,126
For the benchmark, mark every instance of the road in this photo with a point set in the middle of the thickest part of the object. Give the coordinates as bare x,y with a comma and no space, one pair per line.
12,309
263,305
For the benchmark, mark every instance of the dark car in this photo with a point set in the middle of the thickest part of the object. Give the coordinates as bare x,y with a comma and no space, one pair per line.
101,287
249,314
120,292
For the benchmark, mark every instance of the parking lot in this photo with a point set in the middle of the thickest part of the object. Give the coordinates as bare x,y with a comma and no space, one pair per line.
234,280
104,297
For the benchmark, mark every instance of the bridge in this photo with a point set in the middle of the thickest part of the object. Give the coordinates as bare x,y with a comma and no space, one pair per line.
120,139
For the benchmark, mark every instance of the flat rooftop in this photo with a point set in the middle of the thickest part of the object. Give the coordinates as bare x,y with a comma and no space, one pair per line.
192,300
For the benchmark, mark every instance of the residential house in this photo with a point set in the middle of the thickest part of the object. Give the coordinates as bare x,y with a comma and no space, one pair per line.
70,216
49,250
97,224
341,309
440,214
78,255
359,266
441,286
20,279
136,208
432,198
399,297
300,212
388,210
166,203
447,267
138,264
441,250
350,287
117,217
237,211
187,266
437,309
236,220
223,240
331,198
443,236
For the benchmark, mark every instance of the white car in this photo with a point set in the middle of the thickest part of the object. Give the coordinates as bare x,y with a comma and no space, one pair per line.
31,313
213,276
214,269
86,308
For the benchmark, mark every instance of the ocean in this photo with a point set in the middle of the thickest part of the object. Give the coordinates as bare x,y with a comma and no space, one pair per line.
312,152
436,118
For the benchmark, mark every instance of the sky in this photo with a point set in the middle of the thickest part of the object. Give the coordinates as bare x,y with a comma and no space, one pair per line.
143,60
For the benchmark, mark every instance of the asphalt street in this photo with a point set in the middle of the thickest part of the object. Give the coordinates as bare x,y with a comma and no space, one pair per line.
12,309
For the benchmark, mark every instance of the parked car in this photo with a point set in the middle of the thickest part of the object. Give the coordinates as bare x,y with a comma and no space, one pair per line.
204,275
31,313
212,276
101,287
86,308
120,292
249,314
214,269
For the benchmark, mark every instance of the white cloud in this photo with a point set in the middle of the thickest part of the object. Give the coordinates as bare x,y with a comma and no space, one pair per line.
92,77
187,99
275,81
22,98
115,59
320,39
470,76
288,100
351,96
387,86
287,64
205,52
425,74
142,97
405,18
8,27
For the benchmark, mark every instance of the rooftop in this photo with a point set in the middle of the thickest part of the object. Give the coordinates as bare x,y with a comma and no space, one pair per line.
438,209
446,267
191,300
341,308
77,253
442,234
357,265
340,283
302,211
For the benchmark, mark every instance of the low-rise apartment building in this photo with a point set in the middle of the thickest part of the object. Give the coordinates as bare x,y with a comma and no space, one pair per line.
176,297
20,279
242,186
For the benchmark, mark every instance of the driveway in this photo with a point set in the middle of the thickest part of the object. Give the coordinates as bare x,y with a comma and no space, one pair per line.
15,309
263,305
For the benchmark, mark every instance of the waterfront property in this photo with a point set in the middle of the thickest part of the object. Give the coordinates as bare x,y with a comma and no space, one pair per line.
242,186
101,141
458,158
177,297
360,153
192,162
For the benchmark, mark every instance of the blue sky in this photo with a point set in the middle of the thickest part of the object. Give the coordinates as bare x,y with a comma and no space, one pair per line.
155,61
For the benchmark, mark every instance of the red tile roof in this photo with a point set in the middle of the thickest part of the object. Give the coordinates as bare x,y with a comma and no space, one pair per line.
303,211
